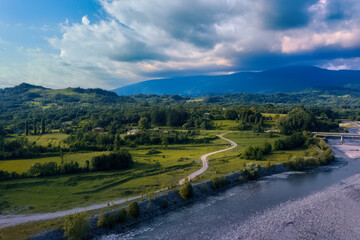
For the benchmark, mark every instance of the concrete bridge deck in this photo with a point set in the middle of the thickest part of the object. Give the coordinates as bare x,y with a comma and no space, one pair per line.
333,134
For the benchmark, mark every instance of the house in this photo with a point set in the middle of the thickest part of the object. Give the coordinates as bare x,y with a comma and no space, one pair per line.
133,132
98,130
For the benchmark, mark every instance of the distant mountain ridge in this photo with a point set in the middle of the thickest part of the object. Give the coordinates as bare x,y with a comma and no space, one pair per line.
287,79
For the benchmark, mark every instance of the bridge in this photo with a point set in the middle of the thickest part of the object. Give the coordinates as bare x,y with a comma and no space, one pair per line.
333,134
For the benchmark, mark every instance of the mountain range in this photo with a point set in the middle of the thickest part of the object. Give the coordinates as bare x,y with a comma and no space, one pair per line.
289,79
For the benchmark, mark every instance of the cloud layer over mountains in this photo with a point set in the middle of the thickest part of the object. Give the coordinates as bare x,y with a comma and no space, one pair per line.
140,39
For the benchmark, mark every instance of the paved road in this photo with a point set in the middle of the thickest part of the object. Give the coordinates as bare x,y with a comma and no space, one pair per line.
205,162
16,219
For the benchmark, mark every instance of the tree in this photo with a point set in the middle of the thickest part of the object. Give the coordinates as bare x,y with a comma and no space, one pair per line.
76,226
117,142
35,127
144,123
43,126
186,191
133,210
118,160
27,128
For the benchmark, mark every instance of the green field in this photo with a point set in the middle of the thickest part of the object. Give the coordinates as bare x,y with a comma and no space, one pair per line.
23,165
223,163
54,139
150,172
225,124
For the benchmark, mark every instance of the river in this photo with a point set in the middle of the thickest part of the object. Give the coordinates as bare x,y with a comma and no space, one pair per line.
318,204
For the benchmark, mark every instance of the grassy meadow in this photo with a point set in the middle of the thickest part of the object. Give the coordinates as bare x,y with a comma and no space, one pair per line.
150,171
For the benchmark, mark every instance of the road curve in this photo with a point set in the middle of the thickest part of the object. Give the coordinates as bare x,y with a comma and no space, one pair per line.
204,159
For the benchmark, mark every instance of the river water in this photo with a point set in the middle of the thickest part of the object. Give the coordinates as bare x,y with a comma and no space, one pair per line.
283,206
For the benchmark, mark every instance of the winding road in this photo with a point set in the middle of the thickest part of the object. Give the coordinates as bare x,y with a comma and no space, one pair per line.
16,219
204,159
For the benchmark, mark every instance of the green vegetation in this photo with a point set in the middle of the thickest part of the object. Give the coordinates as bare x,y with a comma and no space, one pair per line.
251,171
218,182
315,156
71,132
133,210
113,161
186,191
76,226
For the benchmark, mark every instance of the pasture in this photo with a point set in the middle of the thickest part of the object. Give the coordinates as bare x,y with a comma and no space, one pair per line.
150,172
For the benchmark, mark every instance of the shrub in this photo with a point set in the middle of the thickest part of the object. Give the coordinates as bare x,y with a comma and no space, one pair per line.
43,169
118,160
241,178
133,210
186,191
254,153
76,226
108,219
294,141
153,151
164,203
251,171
71,167
267,148
218,182
267,165
122,216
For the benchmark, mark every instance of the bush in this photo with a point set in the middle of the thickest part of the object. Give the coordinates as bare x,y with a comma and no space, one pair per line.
251,171
43,169
76,226
71,167
267,148
253,153
133,210
186,191
108,220
267,165
118,160
164,203
153,151
122,216
218,182
294,141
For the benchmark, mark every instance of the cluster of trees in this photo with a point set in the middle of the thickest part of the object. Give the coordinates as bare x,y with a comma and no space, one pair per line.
114,161
14,148
318,154
300,119
38,128
258,152
52,168
294,141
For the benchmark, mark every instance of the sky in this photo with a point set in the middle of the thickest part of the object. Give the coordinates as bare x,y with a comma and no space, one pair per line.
112,43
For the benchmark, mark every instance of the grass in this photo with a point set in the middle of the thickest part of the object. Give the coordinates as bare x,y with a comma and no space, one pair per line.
227,162
225,124
151,172
55,139
23,165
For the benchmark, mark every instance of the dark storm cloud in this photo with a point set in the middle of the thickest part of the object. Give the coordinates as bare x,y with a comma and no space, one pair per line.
285,14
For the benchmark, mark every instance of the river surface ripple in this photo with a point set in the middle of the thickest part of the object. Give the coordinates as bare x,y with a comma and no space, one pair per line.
318,204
